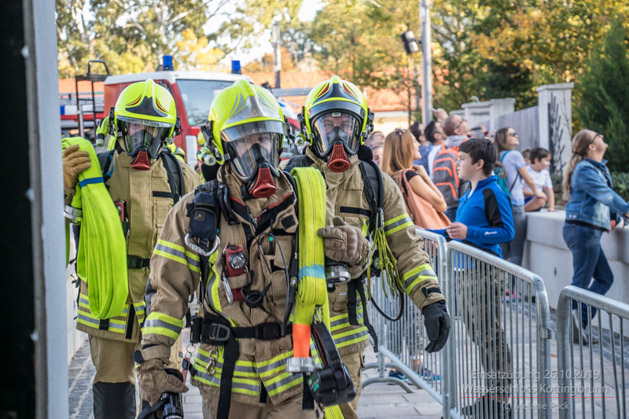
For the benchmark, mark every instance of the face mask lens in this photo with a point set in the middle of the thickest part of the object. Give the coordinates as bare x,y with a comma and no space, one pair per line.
138,135
249,153
336,127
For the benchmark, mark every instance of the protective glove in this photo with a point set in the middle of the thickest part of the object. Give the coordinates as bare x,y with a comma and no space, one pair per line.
75,161
344,243
155,381
437,324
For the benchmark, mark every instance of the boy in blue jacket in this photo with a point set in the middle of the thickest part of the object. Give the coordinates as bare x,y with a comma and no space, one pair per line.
483,220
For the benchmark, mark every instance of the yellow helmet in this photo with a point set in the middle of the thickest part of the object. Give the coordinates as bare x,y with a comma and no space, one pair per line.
145,117
336,112
246,128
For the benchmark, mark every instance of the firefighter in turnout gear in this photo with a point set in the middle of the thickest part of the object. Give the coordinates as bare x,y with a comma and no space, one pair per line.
144,181
236,238
335,122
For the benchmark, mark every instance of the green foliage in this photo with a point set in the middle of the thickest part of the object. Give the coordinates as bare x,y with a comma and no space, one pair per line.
131,35
620,183
604,92
484,48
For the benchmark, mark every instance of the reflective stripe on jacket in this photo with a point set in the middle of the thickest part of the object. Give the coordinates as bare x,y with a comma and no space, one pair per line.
146,209
346,198
175,274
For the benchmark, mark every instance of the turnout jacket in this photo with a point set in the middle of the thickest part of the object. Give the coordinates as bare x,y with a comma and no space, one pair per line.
175,274
148,199
346,198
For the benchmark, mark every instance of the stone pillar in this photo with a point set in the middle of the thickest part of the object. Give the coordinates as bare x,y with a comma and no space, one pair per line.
555,123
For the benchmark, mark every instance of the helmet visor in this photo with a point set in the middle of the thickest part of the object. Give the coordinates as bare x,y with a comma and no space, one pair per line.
141,133
336,126
252,144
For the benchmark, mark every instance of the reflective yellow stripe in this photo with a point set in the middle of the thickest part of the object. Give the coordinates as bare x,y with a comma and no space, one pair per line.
417,275
283,382
356,335
162,324
85,317
178,254
396,224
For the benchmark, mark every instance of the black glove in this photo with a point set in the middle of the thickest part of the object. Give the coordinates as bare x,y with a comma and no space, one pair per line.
437,324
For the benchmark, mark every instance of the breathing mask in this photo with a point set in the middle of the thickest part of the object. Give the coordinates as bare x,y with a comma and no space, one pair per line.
253,155
143,140
337,137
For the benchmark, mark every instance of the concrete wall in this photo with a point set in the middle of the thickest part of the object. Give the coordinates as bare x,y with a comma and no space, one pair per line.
488,112
525,123
547,255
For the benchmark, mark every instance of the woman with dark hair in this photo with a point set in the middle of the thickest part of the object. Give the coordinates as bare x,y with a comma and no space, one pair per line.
511,160
592,208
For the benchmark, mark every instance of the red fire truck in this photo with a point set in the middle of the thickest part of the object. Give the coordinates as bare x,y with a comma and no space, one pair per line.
193,92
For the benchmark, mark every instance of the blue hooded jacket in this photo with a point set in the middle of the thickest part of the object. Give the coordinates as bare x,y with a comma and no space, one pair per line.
487,214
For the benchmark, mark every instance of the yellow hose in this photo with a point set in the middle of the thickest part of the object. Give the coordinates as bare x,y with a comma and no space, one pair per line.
312,291
102,255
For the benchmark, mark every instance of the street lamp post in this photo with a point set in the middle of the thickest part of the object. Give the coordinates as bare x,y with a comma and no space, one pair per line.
424,18
277,56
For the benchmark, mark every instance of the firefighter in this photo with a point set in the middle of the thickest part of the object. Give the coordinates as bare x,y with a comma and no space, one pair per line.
249,221
336,122
138,176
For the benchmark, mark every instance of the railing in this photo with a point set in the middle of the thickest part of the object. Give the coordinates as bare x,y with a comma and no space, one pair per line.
500,337
403,341
593,371
497,357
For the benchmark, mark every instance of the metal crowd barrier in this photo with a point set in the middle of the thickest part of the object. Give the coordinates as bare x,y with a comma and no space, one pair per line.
593,371
500,337
498,355
403,341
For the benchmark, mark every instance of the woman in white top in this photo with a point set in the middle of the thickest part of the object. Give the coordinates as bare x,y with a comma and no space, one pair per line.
506,140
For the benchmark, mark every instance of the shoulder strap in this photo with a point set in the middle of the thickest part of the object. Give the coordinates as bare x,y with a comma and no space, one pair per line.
175,174
504,155
104,159
298,161
374,189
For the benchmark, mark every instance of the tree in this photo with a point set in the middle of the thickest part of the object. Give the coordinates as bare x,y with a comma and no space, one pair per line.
604,93
131,35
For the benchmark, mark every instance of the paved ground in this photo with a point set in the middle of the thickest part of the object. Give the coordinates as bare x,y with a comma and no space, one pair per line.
386,401
377,401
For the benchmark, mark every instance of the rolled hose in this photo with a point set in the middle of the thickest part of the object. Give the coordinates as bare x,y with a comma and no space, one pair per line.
102,252
312,291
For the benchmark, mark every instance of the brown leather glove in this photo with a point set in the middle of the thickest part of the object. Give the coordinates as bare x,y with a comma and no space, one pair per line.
344,243
155,381
75,161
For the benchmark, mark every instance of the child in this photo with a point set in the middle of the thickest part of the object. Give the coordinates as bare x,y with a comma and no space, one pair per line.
484,220
526,154
538,168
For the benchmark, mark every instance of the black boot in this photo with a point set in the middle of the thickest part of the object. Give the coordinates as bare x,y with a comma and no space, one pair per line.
114,401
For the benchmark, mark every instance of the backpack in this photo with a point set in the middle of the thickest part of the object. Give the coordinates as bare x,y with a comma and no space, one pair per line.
171,164
501,176
445,176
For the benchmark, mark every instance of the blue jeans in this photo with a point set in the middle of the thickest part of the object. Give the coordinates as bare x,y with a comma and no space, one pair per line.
588,260
513,250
